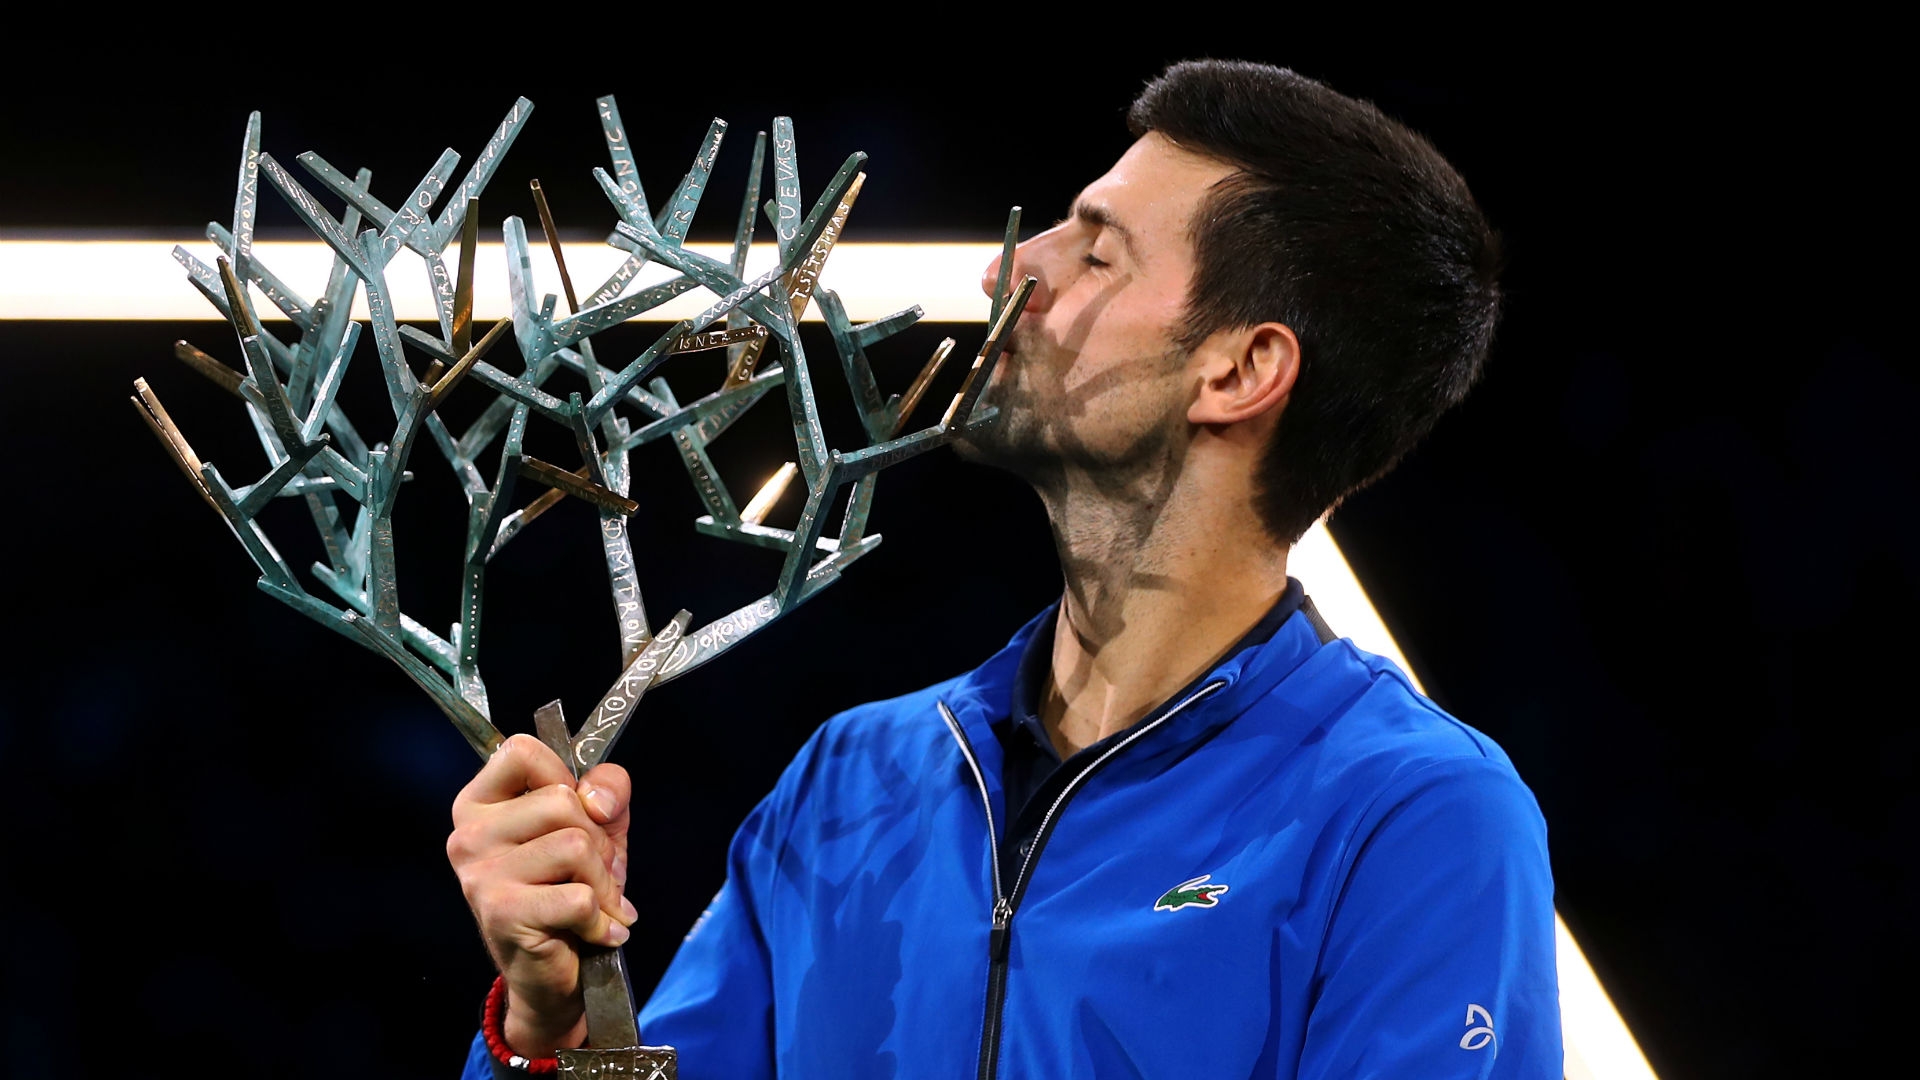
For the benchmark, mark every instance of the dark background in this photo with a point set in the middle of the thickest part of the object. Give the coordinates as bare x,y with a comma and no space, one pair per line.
1665,554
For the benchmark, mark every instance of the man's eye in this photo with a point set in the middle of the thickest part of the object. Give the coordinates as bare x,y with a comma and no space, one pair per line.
1092,260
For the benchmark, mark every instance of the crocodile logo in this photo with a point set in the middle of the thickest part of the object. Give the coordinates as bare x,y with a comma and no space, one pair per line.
1193,892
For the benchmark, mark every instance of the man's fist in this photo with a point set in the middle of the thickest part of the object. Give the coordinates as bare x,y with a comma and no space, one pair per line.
543,862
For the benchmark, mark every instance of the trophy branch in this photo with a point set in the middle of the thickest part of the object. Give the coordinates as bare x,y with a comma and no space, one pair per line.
290,390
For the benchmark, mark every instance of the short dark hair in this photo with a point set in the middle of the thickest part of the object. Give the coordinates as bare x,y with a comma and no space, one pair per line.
1354,232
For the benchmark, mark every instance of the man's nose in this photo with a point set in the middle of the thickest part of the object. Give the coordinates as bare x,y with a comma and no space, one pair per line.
1024,264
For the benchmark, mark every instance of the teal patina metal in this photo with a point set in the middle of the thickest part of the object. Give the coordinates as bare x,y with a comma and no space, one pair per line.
350,486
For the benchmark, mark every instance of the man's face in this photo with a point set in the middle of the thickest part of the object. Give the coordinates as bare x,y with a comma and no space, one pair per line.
1092,377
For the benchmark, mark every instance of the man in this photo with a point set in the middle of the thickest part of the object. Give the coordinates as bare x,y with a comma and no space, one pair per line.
1177,828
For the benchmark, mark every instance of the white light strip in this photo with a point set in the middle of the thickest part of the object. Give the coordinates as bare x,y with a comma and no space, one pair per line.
139,279
1597,1042
1599,1046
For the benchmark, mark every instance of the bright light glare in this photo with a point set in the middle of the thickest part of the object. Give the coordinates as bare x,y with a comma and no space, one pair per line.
1599,1046
139,279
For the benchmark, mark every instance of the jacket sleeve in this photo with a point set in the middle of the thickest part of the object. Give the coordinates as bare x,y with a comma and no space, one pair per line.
715,1004
479,1064
1439,958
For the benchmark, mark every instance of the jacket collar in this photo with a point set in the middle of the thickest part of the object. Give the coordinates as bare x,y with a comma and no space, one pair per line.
982,696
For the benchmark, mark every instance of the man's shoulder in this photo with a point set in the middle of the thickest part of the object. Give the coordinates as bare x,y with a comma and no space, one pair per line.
1381,741
895,727
871,751
884,718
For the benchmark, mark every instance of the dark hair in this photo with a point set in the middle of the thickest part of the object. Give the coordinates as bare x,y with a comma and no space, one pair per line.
1355,233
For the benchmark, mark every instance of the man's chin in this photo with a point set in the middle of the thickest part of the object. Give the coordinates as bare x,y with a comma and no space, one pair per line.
1000,444
976,446
976,452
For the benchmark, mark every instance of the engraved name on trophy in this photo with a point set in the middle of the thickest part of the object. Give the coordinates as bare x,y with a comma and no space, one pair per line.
316,454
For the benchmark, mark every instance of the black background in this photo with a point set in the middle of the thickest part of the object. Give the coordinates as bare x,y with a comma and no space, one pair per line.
1665,554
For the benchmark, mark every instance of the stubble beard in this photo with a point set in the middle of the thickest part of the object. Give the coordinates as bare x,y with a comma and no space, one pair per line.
1033,436
1016,439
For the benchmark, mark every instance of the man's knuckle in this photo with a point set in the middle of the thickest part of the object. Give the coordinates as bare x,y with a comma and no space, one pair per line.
508,758
460,845
577,903
483,897
573,843
557,800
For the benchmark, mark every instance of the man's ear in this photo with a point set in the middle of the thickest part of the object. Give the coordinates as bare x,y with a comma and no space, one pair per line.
1244,374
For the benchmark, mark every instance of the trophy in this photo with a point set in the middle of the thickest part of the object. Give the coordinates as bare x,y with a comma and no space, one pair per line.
315,453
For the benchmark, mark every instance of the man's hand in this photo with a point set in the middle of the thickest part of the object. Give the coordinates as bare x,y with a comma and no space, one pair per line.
542,861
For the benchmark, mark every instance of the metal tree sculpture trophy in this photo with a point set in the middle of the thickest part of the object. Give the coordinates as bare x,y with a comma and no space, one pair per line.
316,454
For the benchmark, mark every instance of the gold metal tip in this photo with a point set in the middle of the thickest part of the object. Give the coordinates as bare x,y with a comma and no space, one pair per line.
237,299
548,500
463,281
553,241
741,371
1016,304
918,388
576,486
438,390
220,374
762,502
147,404
800,282
953,407
150,405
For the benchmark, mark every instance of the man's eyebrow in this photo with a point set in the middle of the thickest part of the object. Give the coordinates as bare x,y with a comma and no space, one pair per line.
1100,216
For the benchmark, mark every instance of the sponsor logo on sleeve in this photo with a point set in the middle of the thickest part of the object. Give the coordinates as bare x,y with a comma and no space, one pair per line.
1477,1037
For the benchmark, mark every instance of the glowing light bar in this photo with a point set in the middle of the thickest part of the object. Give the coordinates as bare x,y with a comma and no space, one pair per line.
1598,1044
139,279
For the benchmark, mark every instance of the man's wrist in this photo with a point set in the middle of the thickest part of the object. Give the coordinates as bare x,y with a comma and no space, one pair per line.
536,1029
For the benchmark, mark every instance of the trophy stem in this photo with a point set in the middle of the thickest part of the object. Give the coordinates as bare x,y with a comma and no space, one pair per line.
613,1050
609,998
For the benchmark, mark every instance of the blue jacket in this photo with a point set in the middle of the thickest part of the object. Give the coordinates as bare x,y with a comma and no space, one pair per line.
1304,869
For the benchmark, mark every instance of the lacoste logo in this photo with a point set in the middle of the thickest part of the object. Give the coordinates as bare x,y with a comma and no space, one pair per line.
1191,893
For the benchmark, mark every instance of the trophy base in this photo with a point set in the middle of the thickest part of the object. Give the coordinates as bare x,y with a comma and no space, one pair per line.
625,1063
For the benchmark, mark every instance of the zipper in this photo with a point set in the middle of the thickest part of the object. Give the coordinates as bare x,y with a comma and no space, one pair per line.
1004,903
1002,909
996,988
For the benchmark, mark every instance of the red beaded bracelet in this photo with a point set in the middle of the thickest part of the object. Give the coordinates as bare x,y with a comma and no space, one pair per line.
492,1028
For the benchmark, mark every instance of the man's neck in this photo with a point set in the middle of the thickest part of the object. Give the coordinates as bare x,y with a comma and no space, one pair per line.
1155,596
